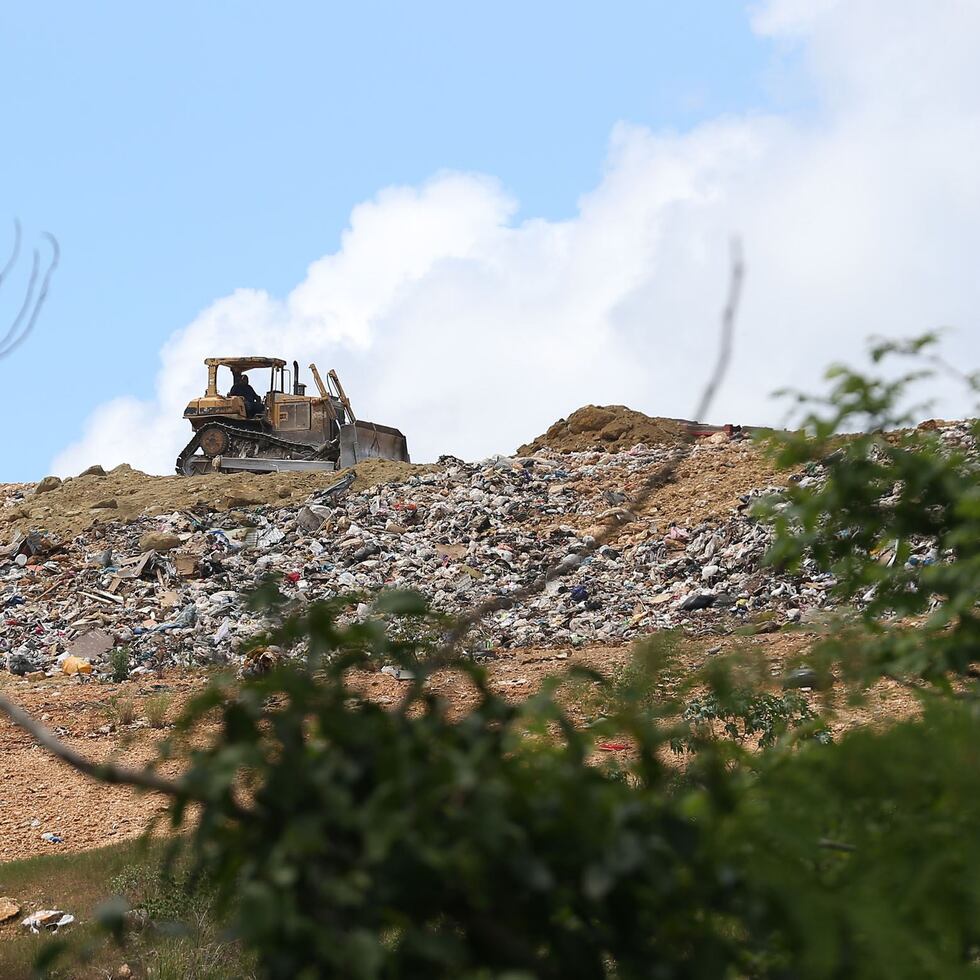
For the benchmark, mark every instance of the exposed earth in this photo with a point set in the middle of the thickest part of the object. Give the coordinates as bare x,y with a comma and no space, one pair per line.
39,794
607,427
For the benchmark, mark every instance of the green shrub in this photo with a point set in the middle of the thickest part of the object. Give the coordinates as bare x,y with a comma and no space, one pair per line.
119,664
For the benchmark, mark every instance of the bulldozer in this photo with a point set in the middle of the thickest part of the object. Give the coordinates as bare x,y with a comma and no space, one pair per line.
284,430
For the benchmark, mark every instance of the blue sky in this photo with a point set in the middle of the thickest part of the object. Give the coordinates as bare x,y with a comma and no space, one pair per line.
484,216
182,150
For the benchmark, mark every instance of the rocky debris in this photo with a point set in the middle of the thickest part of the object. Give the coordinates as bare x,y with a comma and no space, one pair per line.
8,909
608,427
70,508
90,645
460,533
160,541
96,470
48,484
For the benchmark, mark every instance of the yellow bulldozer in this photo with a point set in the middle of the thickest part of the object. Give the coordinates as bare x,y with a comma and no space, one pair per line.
284,430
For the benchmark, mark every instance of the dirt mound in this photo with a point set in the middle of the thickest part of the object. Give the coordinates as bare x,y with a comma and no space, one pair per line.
125,494
608,427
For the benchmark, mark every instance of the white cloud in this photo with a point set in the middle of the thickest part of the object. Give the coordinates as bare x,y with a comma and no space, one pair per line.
472,333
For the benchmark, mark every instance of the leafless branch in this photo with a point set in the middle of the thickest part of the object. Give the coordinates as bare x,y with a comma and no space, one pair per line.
12,331
662,475
728,315
14,252
30,309
106,772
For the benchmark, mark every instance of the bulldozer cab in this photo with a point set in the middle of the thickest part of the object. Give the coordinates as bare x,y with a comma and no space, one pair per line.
286,406
225,372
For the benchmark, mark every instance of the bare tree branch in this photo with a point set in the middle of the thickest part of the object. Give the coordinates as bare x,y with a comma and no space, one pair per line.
662,475
106,772
14,328
14,254
728,315
19,332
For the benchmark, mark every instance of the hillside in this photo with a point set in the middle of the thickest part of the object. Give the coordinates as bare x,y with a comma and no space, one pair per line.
158,566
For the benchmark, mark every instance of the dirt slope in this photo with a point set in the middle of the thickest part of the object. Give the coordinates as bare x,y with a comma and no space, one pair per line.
608,427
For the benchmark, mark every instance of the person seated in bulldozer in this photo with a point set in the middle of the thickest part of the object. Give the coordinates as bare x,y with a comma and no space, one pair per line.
253,404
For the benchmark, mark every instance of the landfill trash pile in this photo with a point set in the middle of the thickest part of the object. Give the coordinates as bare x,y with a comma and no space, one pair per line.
172,589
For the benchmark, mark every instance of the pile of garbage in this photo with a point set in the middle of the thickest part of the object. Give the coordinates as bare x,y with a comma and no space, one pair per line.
172,589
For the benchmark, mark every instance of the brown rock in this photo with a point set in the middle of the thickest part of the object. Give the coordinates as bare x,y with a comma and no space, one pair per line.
159,541
48,484
93,471
241,498
186,565
8,909
110,503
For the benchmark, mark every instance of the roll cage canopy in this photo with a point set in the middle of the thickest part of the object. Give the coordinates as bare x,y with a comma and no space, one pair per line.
238,365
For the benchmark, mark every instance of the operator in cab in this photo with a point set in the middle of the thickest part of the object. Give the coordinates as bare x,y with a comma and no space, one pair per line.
241,387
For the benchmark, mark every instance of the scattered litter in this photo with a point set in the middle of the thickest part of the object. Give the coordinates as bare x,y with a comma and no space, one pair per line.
50,919
76,665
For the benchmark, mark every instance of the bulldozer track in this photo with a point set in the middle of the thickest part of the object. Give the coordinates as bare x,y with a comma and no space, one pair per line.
257,441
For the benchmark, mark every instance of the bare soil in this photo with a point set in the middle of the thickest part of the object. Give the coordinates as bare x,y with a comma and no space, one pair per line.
607,427
34,787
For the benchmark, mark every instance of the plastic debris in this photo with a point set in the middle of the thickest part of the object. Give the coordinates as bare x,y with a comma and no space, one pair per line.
50,919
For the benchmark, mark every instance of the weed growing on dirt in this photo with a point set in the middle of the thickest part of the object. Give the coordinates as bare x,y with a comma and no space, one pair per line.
157,709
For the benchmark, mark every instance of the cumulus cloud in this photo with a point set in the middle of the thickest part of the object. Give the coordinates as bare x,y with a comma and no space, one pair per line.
473,332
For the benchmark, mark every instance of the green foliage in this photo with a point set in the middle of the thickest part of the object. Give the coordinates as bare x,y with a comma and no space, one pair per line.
894,516
410,842
757,716
122,710
163,894
866,852
119,664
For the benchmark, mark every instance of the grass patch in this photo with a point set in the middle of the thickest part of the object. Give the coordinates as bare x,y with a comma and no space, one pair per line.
157,708
177,937
122,710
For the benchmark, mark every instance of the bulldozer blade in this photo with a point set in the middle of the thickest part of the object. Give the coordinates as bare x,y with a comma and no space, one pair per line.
368,440
258,464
